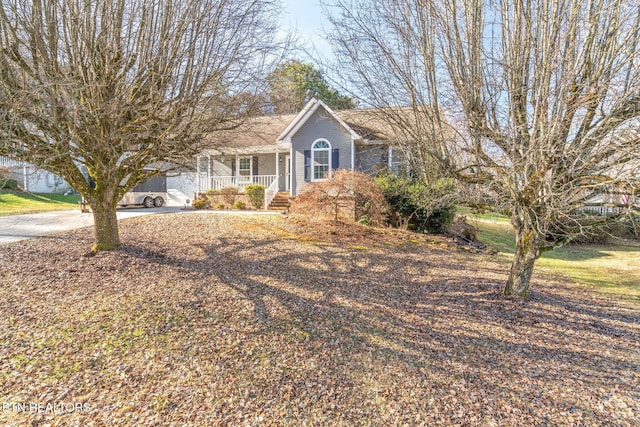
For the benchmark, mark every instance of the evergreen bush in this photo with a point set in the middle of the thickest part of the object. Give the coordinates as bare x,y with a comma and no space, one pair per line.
8,184
200,204
255,194
418,206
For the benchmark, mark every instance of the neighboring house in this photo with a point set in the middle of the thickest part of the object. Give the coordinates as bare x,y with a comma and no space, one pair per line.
613,200
285,152
33,179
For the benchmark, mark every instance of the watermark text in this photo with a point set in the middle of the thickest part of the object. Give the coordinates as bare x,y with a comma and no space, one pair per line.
45,407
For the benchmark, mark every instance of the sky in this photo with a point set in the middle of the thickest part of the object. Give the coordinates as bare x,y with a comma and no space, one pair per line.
306,16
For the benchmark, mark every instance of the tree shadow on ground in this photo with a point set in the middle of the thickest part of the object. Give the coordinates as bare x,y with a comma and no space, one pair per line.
344,327
390,304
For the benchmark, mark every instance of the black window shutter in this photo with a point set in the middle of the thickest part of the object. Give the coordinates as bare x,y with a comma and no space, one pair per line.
233,166
254,165
307,165
335,158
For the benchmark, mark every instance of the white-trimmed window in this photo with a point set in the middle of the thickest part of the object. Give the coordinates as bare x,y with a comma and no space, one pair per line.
321,160
398,162
244,169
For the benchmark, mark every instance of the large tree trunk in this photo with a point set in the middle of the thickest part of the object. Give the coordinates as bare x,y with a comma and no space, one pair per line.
105,227
526,254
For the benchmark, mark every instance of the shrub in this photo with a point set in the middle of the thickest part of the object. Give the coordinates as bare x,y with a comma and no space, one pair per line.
460,227
229,194
212,192
364,220
200,204
418,206
8,184
220,206
347,194
255,194
5,182
239,205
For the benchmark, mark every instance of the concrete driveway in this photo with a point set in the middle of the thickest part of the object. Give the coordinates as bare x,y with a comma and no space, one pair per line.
20,227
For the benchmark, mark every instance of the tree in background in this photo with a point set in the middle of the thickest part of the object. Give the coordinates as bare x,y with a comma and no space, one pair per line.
125,89
546,95
294,83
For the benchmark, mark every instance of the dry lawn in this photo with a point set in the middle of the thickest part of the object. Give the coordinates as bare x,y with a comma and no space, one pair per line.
202,319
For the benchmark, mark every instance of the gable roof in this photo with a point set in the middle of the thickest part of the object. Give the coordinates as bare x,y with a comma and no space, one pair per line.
305,114
269,134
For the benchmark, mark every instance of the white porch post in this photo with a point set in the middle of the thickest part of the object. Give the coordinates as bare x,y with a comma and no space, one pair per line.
291,168
237,175
198,174
353,155
208,172
25,178
278,169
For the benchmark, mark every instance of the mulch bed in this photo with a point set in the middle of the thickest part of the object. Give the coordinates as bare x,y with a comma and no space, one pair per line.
201,319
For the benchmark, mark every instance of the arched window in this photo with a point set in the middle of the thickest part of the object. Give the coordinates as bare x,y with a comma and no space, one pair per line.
321,160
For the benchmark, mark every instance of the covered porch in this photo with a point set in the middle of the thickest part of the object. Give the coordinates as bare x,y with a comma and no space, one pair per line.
267,166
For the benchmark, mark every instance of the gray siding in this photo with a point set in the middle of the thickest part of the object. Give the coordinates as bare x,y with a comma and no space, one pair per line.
372,159
220,169
320,125
266,164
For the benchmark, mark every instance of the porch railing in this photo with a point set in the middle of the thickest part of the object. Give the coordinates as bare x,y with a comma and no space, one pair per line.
220,182
269,193
6,162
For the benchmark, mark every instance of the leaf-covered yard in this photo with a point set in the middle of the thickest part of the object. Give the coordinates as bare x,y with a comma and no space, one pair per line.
201,319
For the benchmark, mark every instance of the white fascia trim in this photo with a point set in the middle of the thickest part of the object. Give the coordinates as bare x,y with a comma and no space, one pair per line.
255,149
303,120
353,133
286,133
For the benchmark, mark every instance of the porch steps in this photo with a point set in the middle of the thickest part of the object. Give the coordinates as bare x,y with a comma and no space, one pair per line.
280,202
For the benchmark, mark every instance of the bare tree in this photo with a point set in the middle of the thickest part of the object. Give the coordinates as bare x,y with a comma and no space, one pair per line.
389,64
547,91
125,88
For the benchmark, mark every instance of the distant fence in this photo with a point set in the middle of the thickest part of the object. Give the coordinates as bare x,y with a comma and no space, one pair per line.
600,210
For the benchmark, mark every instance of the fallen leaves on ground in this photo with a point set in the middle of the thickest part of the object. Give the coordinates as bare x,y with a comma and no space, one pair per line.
201,319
